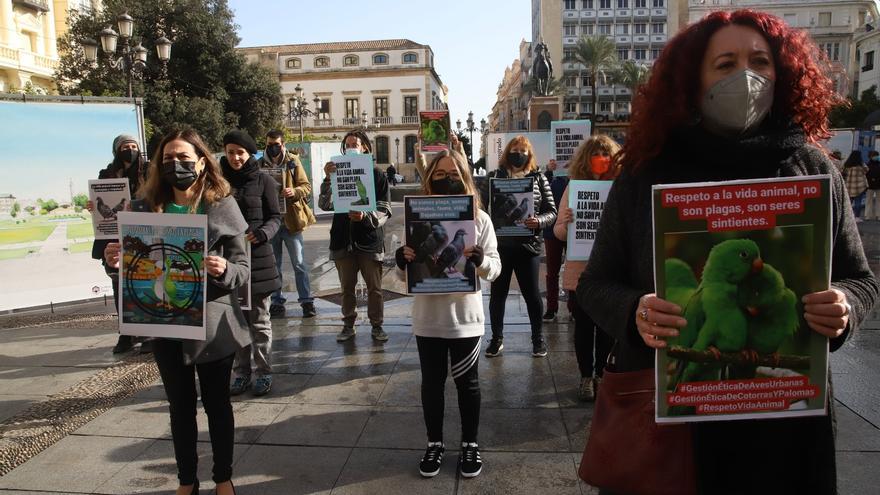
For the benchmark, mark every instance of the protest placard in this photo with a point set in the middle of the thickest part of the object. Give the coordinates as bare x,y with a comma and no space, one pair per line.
434,131
511,202
352,183
162,275
738,257
280,176
109,197
439,229
565,137
586,198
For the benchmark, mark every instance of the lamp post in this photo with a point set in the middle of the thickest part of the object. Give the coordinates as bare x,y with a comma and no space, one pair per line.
132,61
299,109
397,150
470,128
366,124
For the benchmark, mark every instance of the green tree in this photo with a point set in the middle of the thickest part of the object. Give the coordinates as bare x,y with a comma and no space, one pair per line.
209,86
598,55
15,209
47,206
631,74
853,112
80,200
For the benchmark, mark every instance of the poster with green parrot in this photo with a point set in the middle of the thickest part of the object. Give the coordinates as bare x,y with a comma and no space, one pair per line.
737,257
434,131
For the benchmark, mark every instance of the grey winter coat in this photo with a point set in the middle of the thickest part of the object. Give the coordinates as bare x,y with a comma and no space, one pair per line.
226,329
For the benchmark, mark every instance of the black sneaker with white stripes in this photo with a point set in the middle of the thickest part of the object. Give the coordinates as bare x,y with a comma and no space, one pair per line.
470,462
430,465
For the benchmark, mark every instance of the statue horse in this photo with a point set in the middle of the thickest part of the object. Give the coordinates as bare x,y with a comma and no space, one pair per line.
542,69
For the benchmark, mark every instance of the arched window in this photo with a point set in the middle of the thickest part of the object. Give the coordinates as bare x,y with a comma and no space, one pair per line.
411,58
380,59
381,151
544,119
409,148
293,63
322,62
350,60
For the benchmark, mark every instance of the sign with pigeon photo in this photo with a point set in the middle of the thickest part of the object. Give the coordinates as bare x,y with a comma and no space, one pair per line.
439,229
162,275
352,183
109,197
434,131
738,257
511,201
280,176
586,198
566,136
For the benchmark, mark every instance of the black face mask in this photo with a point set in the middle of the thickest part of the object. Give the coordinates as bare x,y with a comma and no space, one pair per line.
273,150
127,156
180,175
447,186
517,160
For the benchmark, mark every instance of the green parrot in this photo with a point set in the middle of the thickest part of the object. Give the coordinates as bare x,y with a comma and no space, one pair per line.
681,284
362,192
715,321
772,314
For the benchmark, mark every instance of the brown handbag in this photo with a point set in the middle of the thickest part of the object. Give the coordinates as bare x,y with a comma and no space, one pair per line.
627,452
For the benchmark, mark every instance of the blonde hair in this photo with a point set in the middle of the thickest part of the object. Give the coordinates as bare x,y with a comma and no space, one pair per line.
579,166
523,141
463,170
210,185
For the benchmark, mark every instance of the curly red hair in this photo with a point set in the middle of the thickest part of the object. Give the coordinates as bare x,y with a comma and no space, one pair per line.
803,93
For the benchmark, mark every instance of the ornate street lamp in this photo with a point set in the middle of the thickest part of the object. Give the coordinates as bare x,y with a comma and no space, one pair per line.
397,150
132,61
299,109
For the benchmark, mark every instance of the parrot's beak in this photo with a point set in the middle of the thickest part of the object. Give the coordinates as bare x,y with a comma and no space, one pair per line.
753,311
757,265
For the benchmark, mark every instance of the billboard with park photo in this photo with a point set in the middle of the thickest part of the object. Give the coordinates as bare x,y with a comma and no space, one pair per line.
51,147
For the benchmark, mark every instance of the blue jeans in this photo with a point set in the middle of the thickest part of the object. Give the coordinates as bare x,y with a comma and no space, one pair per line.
294,243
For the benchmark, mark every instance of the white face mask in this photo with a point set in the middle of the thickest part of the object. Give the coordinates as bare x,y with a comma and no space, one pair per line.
737,104
352,151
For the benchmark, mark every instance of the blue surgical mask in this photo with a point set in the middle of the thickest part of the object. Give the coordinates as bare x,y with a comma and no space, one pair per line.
352,151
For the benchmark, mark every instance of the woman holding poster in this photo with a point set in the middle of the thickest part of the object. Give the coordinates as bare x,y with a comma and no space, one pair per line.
751,107
185,179
521,255
594,160
450,326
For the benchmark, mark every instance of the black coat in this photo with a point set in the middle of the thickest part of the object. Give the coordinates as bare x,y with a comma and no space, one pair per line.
367,236
256,193
794,455
545,212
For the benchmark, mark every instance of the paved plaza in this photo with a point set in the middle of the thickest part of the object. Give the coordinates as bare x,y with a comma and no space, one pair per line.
343,418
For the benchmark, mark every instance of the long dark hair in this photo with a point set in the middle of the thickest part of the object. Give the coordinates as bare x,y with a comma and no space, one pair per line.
853,160
360,134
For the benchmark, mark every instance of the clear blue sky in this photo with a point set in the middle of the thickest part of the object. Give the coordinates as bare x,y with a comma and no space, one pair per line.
473,40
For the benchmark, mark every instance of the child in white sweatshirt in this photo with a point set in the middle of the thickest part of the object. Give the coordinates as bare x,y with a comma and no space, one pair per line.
450,327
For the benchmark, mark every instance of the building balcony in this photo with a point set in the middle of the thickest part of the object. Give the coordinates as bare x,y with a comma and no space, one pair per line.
383,120
657,13
641,13
606,14
623,13
26,61
569,40
323,122
569,14
351,121
623,38
658,38
570,115
39,5
409,119
588,14
293,123
641,38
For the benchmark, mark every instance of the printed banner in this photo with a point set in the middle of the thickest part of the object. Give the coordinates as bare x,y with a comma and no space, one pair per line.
352,183
511,202
244,291
738,257
566,136
434,131
280,176
439,229
109,197
162,275
586,198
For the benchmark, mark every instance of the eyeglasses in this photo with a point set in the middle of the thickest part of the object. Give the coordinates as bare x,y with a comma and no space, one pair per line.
442,174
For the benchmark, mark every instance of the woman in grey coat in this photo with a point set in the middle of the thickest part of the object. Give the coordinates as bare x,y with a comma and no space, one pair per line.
750,108
187,179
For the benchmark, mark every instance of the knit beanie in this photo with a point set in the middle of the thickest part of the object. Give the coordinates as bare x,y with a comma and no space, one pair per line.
122,139
242,139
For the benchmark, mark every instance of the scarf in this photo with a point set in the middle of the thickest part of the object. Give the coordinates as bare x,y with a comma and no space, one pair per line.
240,177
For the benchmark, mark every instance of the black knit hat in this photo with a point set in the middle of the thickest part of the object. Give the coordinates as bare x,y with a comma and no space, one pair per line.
242,139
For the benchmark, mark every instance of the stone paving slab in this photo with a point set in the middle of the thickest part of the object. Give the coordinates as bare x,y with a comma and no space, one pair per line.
393,472
272,470
524,472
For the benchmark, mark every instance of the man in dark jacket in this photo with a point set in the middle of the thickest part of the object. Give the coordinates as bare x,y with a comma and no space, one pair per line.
257,196
357,244
128,162
553,247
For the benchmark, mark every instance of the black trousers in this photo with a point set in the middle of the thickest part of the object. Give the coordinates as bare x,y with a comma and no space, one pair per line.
591,344
180,388
435,355
525,265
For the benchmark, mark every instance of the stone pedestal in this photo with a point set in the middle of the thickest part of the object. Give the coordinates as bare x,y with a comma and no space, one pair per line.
543,110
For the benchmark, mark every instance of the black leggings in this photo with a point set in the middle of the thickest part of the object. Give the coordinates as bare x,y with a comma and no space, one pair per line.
434,357
525,266
588,337
180,388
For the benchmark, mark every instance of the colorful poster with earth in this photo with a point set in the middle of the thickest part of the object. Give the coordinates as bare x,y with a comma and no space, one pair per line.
352,183
162,275
738,257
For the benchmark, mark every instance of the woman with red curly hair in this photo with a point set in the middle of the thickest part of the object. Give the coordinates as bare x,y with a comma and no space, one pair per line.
737,95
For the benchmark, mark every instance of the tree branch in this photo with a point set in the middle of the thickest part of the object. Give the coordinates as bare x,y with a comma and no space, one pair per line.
783,361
